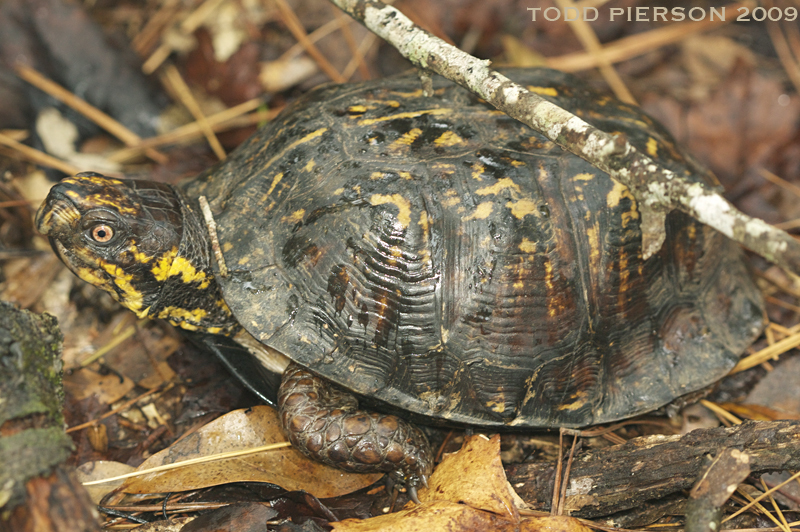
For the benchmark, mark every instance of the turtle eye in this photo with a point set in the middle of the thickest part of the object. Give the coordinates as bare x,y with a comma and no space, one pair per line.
102,233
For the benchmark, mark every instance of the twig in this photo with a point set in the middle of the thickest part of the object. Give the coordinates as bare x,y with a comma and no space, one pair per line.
713,488
639,44
183,92
656,189
39,157
211,225
128,137
584,32
294,25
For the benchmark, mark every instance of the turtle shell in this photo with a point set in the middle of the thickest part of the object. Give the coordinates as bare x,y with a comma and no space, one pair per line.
436,255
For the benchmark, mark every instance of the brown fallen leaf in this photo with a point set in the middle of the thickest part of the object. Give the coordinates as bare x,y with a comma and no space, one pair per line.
436,515
107,389
240,430
98,470
468,492
474,476
552,523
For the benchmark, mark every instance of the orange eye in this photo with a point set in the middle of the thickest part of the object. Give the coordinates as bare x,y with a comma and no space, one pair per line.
102,233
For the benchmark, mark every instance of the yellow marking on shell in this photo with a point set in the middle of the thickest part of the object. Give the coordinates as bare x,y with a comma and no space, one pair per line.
227,246
516,164
477,171
187,271
402,204
552,310
405,175
425,225
73,194
496,406
447,139
583,177
592,235
580,401
410,114
505,183
275,181
446,168
522,208
132,297
295,217
161,268
406,139
357,109
652,147
338,191
544,91
616,194
396,251
527,246
481,212
374,176
308,138
244,260
613,199
392,103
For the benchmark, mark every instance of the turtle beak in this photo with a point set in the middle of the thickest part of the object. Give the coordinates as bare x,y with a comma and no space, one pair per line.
57,213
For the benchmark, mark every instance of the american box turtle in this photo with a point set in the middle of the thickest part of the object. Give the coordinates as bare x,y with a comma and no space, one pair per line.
432,255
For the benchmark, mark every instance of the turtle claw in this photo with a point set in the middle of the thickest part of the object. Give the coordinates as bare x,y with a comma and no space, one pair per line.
412,494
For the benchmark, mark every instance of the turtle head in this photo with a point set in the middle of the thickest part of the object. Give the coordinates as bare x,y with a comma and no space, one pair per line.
140,242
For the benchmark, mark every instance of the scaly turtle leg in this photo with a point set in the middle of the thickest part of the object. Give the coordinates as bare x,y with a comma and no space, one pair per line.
324,423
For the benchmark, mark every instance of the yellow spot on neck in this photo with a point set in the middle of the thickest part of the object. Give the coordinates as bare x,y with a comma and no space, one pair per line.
187,319
130,297
161,268
187,271
652,147
138,255
402,204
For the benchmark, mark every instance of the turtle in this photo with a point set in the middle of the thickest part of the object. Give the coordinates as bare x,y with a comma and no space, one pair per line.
429,255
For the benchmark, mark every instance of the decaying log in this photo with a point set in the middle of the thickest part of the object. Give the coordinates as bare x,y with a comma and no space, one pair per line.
613,479
37,493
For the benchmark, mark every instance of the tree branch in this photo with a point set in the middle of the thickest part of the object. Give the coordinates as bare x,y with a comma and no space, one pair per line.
657,190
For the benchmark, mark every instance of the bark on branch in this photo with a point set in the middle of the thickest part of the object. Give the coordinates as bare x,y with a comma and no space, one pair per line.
657,190
613,479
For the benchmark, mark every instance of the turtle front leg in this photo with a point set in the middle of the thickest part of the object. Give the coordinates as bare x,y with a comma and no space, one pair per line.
324,422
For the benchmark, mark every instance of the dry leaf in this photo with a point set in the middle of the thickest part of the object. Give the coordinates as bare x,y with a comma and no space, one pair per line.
474,476
437,515
107,389
98,471
240,430
552,523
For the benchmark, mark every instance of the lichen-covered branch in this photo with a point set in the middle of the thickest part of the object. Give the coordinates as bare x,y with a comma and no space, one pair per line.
657,190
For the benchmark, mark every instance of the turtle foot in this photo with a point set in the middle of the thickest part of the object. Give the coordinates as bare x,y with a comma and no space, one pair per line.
323,422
